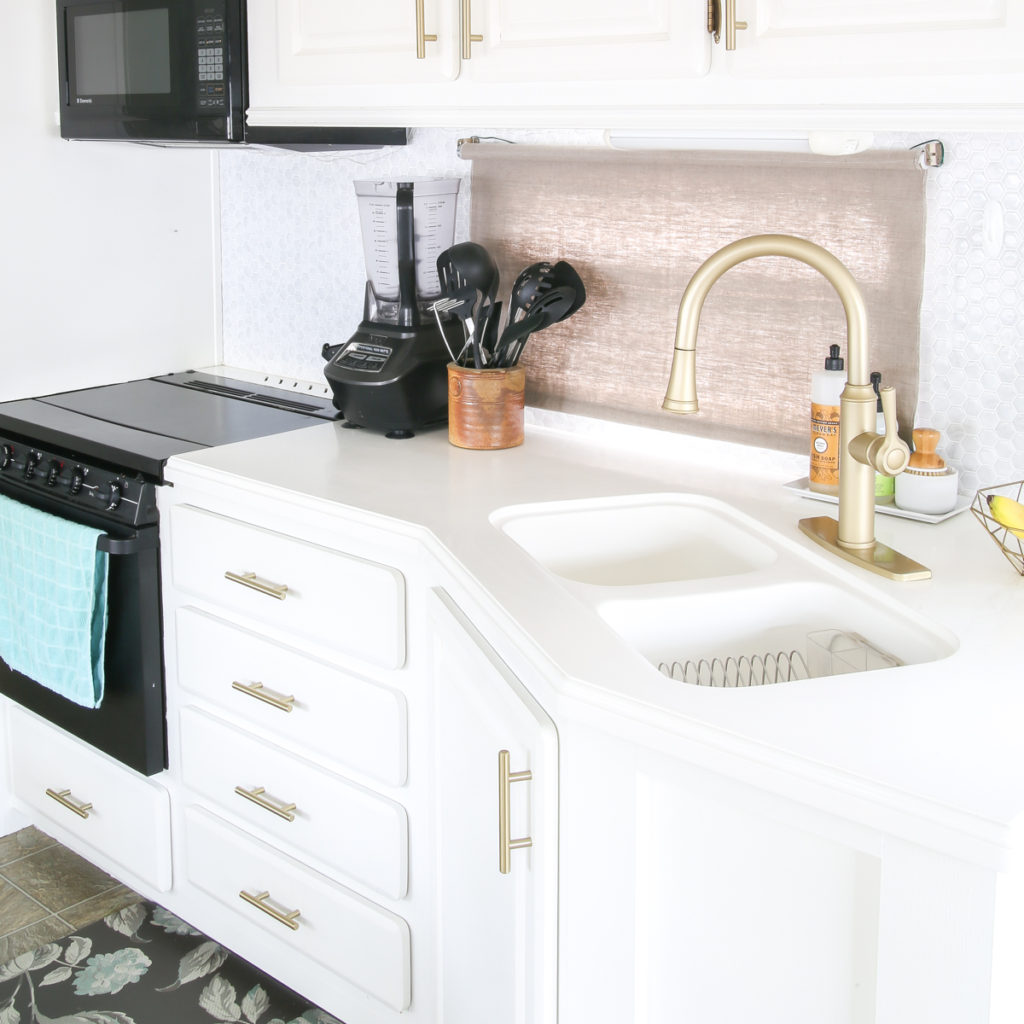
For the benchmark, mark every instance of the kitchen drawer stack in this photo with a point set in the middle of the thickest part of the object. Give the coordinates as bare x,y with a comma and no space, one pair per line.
289,736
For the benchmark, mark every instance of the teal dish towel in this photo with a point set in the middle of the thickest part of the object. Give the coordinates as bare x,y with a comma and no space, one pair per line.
53,601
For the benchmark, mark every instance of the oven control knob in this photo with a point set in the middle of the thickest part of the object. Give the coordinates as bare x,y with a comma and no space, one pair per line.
6,456
77,479
113,495
53,472
32,459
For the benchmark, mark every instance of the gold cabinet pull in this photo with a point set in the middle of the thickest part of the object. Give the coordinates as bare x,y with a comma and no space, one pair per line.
506,844
64,798
260,692
731,24
257,795
289,919
254,582
468,38
422,38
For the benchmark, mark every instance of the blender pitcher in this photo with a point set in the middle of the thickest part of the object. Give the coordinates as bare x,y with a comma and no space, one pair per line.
405,226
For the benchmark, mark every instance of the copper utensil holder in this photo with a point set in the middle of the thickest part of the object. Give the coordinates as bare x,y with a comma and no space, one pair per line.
485,407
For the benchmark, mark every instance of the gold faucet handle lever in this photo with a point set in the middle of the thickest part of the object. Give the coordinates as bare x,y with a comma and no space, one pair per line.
887,453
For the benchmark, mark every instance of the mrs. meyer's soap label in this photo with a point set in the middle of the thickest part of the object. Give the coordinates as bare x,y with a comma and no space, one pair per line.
824,470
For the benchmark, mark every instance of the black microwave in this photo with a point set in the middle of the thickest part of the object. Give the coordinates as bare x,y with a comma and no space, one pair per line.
172,72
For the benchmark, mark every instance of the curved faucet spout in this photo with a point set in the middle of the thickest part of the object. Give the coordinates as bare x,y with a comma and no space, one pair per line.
681,394
862,452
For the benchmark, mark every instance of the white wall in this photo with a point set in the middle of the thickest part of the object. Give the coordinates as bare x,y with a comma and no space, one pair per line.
109,265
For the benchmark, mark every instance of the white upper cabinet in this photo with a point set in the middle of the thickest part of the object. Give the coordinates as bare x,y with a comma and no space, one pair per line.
803,64
834,38
430,62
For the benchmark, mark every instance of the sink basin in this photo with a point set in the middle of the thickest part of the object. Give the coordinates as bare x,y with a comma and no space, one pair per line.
633,541
772,633
707,595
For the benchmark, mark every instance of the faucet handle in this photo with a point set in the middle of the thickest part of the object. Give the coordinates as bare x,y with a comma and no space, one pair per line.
889,454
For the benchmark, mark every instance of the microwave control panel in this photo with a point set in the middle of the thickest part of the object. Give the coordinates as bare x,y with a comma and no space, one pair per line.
211,47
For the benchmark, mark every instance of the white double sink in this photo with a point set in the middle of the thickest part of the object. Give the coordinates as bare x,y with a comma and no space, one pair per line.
708,595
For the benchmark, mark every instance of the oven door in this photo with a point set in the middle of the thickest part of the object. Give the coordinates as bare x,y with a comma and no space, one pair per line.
129,723
150,70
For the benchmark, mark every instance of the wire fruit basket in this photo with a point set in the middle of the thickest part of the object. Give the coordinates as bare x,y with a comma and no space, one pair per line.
1010,543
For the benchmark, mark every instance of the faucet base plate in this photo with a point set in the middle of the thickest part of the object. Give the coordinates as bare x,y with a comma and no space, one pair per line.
878,558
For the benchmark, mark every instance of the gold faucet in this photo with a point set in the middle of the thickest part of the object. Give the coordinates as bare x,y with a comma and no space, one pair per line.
862,452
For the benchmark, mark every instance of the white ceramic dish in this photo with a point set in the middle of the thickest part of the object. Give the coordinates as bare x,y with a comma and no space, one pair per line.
963,501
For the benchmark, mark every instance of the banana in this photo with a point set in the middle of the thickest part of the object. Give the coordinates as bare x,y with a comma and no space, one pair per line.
1007,512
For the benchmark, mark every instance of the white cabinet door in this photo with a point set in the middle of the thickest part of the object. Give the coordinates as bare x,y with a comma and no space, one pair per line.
322,43
498,931
835,38
602,40
322,62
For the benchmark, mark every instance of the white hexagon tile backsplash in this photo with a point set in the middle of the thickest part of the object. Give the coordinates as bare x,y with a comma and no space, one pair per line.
293,273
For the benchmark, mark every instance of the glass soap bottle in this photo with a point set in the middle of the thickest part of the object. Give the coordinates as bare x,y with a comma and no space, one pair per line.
826,387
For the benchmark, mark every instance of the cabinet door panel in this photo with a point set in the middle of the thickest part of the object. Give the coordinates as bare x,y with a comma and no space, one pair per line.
602,40
832,38
499,930
322,42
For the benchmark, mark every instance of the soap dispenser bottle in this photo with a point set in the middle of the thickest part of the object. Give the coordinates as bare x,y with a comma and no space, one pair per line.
826,387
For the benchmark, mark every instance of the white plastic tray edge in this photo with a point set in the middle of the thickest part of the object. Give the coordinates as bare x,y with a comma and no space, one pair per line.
963,501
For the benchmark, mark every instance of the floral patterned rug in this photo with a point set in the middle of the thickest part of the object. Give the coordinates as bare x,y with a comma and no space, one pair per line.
143,965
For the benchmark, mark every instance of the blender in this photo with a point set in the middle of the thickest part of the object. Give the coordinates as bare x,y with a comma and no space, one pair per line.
391,374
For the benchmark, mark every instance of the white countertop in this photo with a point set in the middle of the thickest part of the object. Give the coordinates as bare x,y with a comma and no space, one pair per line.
941,742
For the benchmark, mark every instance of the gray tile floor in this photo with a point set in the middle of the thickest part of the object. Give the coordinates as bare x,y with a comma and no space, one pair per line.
47,891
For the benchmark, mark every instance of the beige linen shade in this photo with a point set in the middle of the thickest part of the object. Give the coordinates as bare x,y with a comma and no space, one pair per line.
636,225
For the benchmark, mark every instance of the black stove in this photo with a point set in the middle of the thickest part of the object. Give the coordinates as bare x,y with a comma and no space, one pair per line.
138,425
96,457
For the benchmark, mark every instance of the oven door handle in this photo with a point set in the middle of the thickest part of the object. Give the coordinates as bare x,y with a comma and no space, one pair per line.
143,540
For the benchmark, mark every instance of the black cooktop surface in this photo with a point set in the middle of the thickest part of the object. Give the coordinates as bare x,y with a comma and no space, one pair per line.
139,424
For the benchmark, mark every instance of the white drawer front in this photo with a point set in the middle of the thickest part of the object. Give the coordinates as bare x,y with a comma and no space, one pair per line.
346,827
350,936
351,604
129,820
335,713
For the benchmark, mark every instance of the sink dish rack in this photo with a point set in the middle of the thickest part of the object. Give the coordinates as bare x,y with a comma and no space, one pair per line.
756,670
830,652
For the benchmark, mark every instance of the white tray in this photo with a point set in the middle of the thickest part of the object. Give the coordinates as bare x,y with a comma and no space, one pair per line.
963,501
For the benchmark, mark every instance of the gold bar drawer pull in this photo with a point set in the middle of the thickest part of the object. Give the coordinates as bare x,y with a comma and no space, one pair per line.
506,844
65,799
260,692
422,36
254,582
290,919
257,795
